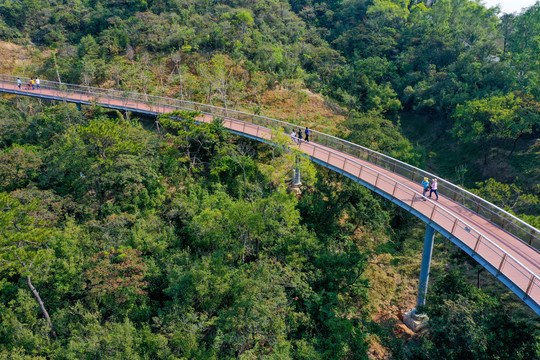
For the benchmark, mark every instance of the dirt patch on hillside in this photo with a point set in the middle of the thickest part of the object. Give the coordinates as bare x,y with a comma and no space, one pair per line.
302,107
392,328
13,58
392,292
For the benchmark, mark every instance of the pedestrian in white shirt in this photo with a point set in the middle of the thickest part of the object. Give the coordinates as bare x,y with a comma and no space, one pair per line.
293,136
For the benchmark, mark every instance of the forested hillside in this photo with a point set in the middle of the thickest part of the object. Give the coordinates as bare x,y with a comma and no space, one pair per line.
460,83
121,240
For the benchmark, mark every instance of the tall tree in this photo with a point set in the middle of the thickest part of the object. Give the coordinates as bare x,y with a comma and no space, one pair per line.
497,117
24,238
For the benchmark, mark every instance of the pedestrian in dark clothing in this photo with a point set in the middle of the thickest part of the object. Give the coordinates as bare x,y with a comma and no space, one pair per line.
307,134
299,135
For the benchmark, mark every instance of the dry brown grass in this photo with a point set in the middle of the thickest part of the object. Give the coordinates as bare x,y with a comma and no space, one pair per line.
376,350
22,60
301,107
292,104
392,289
13,58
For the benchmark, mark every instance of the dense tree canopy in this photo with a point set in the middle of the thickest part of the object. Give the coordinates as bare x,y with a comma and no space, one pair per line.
142,239
195,268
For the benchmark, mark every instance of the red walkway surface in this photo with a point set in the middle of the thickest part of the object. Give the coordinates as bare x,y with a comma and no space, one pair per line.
516,260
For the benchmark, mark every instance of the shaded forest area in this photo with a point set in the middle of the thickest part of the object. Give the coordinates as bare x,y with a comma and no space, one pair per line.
184,243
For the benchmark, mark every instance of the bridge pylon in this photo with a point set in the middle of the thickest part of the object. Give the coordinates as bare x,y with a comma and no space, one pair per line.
413,319
296,177
296,174
505,245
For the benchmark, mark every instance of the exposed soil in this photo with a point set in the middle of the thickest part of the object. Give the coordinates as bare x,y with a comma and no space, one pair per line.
13,58
302,107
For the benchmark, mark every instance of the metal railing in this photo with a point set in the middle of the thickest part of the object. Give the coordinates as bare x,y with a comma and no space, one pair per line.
322,148
516,272
480,245
157,104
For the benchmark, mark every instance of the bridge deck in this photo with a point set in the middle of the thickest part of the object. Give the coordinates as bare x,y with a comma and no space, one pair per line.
514,262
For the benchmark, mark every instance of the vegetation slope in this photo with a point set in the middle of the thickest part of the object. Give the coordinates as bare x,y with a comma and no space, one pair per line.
119,242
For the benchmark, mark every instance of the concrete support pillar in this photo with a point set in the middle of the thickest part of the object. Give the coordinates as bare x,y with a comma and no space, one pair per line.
296,175
426,264
412,319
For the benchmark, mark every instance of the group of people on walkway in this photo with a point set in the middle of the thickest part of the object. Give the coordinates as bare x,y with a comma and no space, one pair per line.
33,84
431,187
296,135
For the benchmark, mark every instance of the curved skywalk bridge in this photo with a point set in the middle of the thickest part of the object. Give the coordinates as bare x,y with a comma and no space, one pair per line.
502,243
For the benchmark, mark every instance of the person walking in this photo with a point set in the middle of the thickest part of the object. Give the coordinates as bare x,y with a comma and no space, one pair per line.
434,189
33,82
293,136
425,184
38,83
299,136
19,83
307,134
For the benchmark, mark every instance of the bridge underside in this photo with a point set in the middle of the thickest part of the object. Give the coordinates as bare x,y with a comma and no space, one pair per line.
492,269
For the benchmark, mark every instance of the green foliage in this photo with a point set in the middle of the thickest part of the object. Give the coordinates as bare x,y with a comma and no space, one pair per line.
508,196
54,121
465,323
71,246
191,143
524,49
373,131
13,125
349,201
19,165
24,236
214,262
106,160
367,86
21,328
498,117
184,243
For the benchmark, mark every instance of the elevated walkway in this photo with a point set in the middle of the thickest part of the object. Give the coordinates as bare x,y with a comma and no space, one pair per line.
505,245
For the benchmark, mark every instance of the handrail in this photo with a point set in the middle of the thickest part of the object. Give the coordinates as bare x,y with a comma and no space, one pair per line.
510,223
433,204
504,255
523,278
